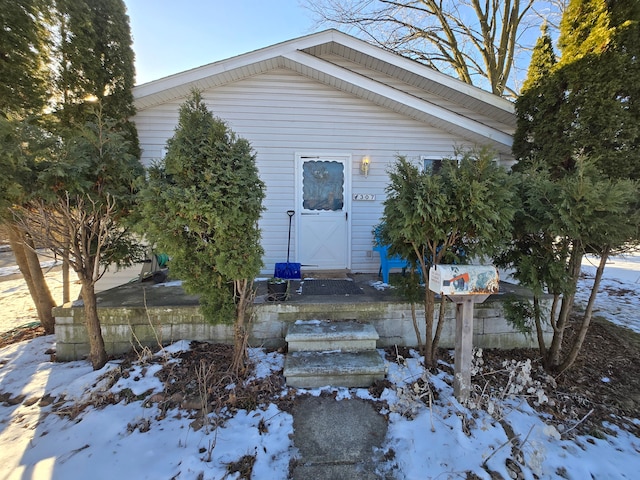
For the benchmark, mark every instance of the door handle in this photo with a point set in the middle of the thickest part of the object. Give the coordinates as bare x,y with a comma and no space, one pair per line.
346,216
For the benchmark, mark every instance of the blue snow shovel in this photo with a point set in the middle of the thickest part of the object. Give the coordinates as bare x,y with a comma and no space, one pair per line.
288,270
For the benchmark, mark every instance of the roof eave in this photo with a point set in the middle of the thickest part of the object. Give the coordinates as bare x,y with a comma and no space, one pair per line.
397,100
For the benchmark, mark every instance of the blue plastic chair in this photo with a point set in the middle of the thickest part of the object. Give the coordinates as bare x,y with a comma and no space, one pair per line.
388,262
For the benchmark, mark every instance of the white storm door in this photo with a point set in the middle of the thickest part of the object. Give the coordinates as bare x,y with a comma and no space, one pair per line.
323,206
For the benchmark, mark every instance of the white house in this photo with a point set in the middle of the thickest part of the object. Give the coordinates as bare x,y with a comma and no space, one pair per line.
327,114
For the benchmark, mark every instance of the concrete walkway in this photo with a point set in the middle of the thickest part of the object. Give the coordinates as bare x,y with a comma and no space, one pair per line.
337,439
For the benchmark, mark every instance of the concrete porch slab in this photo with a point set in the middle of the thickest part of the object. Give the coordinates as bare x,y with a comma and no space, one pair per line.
148,314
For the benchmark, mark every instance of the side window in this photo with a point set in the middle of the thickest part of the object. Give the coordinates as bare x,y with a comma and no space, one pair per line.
434,164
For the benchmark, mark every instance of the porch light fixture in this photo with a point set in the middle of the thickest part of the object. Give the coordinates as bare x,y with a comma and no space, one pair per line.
364,166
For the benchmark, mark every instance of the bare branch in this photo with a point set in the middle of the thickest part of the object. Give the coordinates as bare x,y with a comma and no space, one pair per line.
479,41
80,223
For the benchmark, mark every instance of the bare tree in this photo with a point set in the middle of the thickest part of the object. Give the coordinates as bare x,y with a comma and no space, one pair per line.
480,42
87,227
87,191
21,144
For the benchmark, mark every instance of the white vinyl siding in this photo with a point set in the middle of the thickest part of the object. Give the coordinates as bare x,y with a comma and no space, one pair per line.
283,113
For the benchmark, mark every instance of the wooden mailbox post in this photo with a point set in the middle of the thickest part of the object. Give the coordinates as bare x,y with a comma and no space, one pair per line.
464,285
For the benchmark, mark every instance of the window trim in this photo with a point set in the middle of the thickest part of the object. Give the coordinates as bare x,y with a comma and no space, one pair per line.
432,160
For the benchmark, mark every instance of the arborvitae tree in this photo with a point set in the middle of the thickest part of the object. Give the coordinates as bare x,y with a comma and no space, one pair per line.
95,60
430,218
543,59
561,219
577,142
600,67
94,65
201,206
88,190
587,104
585,28
23,56
536,137
23,70
21,147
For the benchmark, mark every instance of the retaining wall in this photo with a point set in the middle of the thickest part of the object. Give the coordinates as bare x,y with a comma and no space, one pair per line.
125,328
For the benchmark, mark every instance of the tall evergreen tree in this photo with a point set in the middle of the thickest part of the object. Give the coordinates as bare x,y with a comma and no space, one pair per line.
577,142
536,137
543,59
24,42
95,63
600,68
23,56
95,67
93,59
587,104
585,29
201,206
87,192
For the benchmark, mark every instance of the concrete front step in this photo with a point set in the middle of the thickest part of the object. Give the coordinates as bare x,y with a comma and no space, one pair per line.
337,369
317,336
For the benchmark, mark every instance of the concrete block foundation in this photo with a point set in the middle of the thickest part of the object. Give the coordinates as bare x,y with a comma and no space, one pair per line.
167,315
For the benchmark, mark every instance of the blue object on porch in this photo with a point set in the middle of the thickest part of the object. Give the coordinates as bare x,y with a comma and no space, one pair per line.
288,270
388,262
162,259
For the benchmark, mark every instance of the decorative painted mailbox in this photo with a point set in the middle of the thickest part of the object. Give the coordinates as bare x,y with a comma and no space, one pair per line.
464,279
465,285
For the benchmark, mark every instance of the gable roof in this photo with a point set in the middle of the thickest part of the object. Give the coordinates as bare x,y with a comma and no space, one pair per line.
365,71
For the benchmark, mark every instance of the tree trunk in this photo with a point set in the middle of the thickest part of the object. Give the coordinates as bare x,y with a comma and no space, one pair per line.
29,266
416,329
575,263
66,282
439,327
244,296
538,321
552,313
97,352
429,299
586,319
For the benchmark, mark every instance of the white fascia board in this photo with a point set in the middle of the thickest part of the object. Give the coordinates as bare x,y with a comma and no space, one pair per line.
292,47
199,73
424,71
447,116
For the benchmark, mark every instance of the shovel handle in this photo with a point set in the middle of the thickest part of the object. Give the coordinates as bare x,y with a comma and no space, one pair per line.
290,213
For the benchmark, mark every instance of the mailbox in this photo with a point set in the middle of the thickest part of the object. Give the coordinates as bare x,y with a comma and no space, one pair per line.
464,279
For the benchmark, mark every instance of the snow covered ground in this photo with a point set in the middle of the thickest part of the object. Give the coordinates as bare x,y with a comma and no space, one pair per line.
618,297
16,305
135,440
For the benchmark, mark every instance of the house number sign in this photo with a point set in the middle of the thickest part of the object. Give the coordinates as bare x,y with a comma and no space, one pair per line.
364,196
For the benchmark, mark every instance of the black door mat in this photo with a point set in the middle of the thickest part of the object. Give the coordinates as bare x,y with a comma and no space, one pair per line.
330,287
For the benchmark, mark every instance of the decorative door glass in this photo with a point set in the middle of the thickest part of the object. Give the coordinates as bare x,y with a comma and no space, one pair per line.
323,185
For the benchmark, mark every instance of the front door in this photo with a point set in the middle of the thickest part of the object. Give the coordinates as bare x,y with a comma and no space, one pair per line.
323,211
